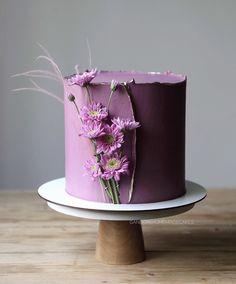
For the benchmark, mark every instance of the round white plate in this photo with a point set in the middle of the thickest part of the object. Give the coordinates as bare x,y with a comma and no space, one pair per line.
119,215
54,192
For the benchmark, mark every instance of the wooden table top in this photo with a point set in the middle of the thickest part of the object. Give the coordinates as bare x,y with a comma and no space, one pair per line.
38,245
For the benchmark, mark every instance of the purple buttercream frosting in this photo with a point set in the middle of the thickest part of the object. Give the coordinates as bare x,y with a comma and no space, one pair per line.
158,101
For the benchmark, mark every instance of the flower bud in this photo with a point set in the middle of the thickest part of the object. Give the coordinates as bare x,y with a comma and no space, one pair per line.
114,85
71,97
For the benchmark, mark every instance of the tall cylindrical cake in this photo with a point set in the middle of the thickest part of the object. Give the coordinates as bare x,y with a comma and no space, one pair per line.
155,150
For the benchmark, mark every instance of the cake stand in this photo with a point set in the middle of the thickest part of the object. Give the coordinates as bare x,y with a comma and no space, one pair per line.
120,237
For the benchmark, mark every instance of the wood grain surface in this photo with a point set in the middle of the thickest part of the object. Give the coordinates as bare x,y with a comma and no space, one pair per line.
38,245
120,242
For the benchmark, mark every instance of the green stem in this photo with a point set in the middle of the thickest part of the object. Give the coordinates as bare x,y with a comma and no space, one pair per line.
113,197
77,108
89,94
95,147
117,187
103,183
109,194
104,186
115,190
109,100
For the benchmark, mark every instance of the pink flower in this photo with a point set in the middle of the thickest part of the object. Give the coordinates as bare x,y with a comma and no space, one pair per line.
92,168
125,124
113,166
92,129
111,140
93,112
82,79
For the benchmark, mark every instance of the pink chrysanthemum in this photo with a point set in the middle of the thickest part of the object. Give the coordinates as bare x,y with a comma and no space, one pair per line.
113,166
93,112
93,168
82,79
125,124
92,129
111,140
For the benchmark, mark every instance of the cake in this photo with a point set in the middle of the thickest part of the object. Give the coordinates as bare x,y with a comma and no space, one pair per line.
125,136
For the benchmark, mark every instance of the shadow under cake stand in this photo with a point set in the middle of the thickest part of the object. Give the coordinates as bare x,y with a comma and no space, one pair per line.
120,237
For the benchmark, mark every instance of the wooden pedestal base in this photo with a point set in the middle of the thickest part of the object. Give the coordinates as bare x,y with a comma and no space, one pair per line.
120,242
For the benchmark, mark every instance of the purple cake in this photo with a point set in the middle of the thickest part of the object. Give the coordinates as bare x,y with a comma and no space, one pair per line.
125,136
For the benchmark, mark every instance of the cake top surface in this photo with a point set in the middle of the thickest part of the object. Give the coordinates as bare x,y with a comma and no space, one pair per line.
105,77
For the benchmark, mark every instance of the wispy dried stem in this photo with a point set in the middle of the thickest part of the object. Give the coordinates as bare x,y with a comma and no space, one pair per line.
55,75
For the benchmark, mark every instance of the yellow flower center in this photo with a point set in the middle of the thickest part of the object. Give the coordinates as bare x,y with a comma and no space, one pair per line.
113,164
108,139
93,168
93,113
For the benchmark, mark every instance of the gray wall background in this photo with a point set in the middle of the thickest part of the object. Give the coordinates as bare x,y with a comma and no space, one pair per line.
197,38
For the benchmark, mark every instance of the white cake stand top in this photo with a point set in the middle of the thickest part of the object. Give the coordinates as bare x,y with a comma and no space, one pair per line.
58,199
